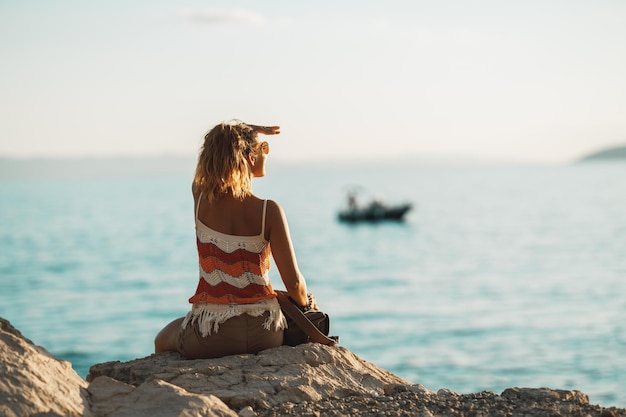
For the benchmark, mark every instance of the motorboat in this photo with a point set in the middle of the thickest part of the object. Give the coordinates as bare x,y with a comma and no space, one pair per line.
375,211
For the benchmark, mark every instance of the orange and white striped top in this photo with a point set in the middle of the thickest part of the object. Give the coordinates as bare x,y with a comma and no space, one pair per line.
234,279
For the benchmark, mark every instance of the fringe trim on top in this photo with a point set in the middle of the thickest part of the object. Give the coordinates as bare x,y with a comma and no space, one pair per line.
210,316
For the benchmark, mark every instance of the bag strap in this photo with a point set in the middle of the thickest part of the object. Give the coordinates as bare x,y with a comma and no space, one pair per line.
302,321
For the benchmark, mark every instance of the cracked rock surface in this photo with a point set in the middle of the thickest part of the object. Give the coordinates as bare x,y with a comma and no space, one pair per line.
285,374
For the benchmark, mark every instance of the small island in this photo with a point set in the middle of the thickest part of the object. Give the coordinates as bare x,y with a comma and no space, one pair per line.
617,153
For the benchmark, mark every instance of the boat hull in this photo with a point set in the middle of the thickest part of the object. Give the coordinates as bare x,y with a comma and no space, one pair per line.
375,214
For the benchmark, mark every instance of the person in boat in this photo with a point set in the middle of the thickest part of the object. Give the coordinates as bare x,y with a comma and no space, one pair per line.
352,203
234,309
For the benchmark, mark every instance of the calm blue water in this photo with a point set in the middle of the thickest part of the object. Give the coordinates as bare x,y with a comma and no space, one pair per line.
502,276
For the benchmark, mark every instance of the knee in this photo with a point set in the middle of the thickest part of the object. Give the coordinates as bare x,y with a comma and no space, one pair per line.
166,340
158,343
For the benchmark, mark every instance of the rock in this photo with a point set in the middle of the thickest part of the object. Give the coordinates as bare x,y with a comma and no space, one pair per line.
309,372
247,412
307,380
545,395
33,382
155,398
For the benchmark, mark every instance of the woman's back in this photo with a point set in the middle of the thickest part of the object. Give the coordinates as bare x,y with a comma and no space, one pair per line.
231,216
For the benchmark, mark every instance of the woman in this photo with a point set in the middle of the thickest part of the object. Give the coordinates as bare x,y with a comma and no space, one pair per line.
234,309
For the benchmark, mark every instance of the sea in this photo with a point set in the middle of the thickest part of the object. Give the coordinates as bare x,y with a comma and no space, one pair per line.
502,275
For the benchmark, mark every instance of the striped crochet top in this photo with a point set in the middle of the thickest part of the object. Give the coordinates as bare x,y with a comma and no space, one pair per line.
234,279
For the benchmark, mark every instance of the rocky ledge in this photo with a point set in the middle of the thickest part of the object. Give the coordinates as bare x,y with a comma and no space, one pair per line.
307,380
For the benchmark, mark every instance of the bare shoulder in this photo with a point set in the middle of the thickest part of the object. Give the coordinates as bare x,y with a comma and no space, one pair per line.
274,210
274,218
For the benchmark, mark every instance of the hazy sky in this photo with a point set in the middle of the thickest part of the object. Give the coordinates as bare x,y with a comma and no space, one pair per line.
524,80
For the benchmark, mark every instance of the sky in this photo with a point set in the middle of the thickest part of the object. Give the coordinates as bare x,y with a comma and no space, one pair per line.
536,80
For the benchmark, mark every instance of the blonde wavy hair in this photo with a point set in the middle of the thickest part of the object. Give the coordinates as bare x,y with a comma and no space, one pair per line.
222,166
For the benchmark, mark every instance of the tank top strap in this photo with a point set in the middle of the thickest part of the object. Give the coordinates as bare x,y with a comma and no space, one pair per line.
263,220
198,205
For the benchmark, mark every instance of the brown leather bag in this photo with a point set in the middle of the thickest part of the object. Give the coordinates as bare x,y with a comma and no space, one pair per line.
312,326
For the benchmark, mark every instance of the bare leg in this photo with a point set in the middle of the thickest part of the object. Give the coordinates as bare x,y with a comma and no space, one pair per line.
166,340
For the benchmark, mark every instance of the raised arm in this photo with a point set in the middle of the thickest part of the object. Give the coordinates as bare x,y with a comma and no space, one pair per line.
284,255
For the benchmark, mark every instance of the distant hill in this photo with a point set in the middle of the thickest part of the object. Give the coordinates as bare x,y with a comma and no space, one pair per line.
615,153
